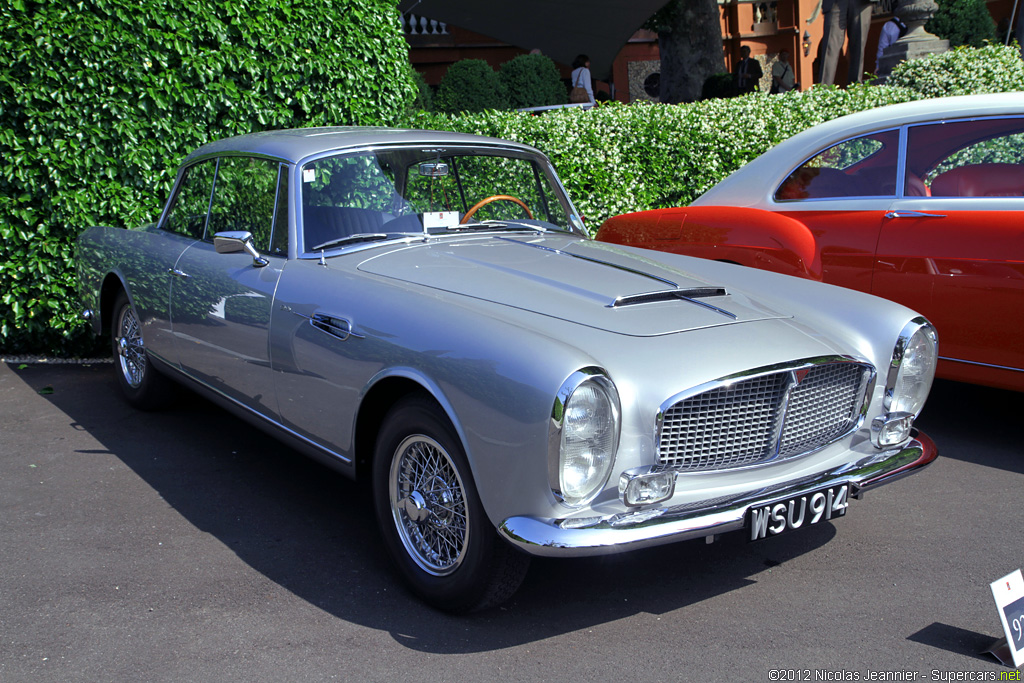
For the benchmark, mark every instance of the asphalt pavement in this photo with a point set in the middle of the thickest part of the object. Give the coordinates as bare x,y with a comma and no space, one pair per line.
187,546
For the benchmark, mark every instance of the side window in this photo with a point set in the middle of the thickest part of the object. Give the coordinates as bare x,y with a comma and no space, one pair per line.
859,167
244,198
981,158
187,215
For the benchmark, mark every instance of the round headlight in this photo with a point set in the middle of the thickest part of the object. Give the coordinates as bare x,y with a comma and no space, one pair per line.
915,365
589,437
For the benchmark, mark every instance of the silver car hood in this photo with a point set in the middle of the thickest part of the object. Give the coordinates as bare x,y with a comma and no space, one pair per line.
588,283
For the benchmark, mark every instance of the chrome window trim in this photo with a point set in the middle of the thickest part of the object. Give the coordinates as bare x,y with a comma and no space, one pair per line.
867,386
901,162
570,385
282,173
161,223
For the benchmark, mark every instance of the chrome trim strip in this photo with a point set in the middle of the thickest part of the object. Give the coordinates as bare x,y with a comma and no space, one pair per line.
664,294
901,162
658,526
688,295
983,365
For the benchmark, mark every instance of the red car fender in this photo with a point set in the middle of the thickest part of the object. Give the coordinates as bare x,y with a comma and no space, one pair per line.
747,236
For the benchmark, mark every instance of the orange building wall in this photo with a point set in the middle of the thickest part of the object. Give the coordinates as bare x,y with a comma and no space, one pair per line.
786,28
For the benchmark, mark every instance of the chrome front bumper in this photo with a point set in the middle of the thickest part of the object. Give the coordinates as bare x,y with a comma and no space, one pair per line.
657,526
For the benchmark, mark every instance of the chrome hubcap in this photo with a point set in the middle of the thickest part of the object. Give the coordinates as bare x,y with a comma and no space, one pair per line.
428,504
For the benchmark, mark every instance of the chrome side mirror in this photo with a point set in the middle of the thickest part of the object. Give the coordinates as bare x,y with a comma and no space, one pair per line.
234,241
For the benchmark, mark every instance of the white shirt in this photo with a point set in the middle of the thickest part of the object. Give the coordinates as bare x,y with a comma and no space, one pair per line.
581,79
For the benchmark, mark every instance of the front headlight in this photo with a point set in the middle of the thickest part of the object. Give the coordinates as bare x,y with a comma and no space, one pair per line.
911,372
585,420
915,370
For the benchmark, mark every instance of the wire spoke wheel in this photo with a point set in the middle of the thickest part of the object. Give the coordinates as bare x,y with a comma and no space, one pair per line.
131,354
428,505
142,384
430,514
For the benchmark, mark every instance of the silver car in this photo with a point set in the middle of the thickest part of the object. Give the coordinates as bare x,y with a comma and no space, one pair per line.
424,312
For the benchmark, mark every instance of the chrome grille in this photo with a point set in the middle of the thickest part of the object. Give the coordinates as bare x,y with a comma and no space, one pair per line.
772,416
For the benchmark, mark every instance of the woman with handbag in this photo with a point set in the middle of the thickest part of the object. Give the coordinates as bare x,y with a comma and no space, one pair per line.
582,89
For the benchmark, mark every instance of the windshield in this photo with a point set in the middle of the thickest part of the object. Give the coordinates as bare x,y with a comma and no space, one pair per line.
395,192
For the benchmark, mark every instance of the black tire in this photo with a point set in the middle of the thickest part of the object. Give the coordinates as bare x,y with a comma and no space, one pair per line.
142,384
430,514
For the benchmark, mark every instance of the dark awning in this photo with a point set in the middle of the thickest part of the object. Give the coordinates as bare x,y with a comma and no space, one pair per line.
561,29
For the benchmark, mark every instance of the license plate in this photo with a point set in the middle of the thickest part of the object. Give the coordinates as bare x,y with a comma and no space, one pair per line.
798,512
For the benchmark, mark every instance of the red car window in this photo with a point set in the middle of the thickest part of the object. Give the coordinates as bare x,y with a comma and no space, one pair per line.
968,158
864,166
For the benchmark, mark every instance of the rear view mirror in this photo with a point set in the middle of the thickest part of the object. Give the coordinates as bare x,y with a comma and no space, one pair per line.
434,169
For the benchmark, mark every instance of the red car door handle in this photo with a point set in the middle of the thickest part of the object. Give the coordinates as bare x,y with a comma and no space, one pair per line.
913,214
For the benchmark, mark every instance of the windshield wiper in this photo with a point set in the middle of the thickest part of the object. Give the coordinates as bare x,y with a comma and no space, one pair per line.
358,237
499,225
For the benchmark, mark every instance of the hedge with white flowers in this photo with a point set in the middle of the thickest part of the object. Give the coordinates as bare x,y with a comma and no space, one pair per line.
617,158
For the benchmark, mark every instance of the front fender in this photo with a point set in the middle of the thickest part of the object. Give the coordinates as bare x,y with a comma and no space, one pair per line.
743,235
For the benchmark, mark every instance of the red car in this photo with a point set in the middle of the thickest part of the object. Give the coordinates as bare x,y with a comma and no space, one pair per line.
921,203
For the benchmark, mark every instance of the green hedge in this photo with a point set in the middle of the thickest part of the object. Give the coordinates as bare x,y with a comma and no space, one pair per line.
963,22
962,71
532,81
615,159
470,85
618,158
101,99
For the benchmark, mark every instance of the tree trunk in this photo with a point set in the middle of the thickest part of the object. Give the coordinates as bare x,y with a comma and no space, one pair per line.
691,49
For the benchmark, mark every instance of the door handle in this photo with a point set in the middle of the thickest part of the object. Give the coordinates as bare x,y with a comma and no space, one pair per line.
336,326
178,273
903,213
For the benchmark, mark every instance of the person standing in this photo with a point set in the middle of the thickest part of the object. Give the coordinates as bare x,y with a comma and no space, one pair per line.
845,18
748,72
582,88
783,78
892,31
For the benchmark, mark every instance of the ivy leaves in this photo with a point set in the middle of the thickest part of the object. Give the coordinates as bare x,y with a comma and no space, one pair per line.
101,99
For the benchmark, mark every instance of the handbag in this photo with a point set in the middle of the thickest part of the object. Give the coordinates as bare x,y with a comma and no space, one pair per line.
578,95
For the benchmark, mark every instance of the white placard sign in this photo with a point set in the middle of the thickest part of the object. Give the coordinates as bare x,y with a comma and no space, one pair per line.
1009,595
440,219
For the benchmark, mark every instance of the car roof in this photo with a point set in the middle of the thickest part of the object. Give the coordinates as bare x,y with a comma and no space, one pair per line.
757,180
295,144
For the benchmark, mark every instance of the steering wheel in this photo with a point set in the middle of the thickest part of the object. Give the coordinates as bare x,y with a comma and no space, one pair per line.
493,198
